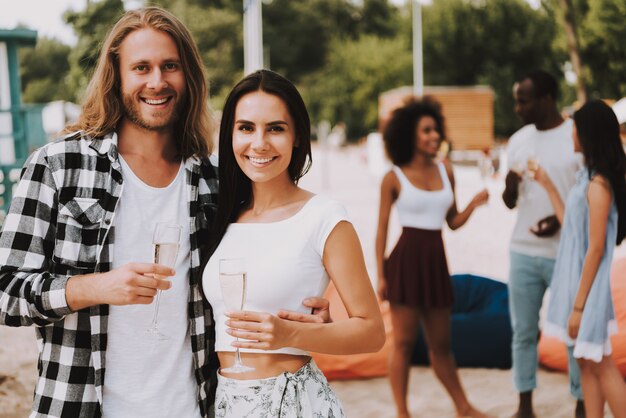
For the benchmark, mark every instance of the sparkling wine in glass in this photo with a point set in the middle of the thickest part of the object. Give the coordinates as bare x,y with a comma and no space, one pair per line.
165,241
532,164
486,173
486,170
232,273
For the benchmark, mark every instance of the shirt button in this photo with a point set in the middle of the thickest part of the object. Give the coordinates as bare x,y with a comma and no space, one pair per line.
107,221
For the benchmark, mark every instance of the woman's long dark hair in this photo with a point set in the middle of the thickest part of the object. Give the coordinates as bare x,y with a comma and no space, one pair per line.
599,138
235,187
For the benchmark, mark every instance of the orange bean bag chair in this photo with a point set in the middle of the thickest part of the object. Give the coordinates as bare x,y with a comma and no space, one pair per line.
553,353
355,365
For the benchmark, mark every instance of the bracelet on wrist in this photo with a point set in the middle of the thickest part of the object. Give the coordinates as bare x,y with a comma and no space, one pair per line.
577,309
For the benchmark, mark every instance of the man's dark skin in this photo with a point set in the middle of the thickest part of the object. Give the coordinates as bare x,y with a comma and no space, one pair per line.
543,113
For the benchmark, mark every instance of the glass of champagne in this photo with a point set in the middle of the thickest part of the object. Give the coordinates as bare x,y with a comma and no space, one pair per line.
532,164
166,240
486,173
232,273
486,170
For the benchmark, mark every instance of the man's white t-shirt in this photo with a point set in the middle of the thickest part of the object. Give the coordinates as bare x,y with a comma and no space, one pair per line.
144,376
554,150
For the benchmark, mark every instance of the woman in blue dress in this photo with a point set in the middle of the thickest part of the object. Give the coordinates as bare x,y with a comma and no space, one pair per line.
594,221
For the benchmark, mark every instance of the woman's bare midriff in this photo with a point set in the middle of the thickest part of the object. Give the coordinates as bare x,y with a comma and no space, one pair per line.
265,365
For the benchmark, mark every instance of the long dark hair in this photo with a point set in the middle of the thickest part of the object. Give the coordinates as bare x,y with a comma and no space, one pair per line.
102,109
235,187
599,138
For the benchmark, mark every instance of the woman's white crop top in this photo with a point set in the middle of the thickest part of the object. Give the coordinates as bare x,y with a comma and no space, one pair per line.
283,262
423,209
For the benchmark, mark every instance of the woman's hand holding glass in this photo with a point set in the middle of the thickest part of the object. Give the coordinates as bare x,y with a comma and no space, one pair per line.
541,177
233,281
532,165
261,330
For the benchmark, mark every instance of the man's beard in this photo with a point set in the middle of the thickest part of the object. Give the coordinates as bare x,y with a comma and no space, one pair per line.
133,114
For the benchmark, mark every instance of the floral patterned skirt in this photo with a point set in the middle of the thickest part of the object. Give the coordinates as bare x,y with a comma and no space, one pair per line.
303,394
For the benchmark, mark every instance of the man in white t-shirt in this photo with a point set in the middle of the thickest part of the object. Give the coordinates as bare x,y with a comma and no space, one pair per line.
76,248
546,139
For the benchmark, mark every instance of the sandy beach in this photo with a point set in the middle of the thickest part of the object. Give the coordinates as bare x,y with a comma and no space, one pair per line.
480,247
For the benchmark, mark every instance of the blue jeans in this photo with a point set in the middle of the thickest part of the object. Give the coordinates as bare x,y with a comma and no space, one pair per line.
529,278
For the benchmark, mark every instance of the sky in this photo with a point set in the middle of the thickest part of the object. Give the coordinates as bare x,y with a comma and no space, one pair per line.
45,16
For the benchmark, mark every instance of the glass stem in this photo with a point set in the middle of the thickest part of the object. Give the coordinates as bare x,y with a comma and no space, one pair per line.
156,310
237,356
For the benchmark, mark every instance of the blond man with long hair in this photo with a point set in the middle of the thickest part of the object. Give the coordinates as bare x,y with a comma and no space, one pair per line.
103,111
76,252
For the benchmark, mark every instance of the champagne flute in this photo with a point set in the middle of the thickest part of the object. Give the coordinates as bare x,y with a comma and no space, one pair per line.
166,240
233,284
486,173
532,164
486,169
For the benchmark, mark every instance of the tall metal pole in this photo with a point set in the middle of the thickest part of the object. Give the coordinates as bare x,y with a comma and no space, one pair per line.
252,36
418,60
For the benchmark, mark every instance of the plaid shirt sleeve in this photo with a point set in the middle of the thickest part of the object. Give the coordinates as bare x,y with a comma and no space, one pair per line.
29,293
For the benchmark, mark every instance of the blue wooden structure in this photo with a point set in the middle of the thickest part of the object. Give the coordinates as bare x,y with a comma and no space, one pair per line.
21,127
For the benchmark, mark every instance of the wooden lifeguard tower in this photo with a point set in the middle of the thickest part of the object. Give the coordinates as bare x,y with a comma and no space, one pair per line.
468,113
21,128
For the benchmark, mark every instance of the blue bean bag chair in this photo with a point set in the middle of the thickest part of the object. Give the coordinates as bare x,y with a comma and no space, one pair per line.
481,326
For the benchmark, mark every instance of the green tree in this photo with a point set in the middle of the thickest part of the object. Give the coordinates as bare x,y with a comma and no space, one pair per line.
219,35
490,42
570,26
91,27
297,34
43,70
356,73
602,35
336,51
601,32
380,18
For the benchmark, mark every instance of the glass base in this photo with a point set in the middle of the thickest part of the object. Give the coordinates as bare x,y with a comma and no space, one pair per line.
237,368
154,332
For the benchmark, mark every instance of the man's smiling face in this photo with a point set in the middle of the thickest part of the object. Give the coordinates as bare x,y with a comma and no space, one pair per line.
153,85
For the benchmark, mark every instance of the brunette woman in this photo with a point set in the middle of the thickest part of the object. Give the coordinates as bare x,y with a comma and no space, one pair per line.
594,221
293,243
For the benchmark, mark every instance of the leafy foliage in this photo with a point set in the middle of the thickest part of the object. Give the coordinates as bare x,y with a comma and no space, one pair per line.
356,73
91,27
602,36
297,34
43,71
343,53
488,42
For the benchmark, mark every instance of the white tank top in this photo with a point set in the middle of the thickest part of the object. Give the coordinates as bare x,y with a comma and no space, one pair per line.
423,209
284,264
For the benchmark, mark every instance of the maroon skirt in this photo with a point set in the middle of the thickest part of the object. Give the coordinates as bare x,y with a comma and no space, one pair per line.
417,270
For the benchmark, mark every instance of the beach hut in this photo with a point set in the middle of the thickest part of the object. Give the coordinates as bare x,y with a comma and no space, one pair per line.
21,128
468,112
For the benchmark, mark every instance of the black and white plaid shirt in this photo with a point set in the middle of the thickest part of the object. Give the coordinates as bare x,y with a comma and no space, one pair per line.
60,225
